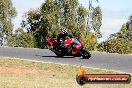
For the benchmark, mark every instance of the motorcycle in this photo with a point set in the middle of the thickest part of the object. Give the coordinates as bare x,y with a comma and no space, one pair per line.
70,47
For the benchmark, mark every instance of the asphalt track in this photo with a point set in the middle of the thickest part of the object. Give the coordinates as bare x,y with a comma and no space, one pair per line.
119,62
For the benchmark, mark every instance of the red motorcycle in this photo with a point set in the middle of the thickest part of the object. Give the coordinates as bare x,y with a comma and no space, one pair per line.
71,47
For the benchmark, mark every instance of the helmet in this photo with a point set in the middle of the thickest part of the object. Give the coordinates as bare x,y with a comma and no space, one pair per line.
64,31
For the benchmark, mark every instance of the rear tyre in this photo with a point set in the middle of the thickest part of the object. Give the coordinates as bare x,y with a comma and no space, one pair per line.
85,54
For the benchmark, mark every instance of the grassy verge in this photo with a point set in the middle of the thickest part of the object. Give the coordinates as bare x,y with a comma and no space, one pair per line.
16,73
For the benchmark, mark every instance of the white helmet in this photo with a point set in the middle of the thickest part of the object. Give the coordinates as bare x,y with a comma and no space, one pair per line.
64,31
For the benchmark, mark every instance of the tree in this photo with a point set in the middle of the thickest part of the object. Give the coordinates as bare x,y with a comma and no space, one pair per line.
128,31
67,14
50,13
89,39
81,20
125,31
37,26
55,15
97,21
116,45
7,13
70,15
45,21
23,39
120,42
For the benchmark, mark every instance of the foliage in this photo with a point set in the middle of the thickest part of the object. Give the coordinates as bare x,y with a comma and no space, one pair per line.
97,21
37,26
70,15
81,20
89,40
125,31
56,15
23,39
7,13
120,42
116,45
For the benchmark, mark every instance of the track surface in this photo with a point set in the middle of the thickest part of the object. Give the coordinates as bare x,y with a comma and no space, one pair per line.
98,60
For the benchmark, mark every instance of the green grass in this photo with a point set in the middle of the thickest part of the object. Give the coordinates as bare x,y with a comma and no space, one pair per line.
17,73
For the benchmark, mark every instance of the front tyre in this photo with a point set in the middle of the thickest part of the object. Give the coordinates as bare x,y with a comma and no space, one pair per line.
85,54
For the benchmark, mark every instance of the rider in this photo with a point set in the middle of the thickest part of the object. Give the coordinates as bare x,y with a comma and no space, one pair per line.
62,37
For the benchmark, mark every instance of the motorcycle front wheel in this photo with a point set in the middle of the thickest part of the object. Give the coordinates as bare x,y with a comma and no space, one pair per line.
85,54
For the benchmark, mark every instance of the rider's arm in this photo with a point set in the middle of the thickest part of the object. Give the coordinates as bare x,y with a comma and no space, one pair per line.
71,36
